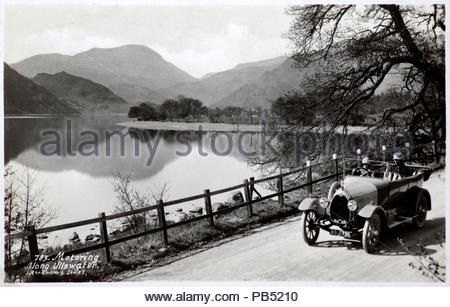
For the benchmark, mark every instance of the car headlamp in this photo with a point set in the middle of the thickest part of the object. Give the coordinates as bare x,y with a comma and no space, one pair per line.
323,202
352,205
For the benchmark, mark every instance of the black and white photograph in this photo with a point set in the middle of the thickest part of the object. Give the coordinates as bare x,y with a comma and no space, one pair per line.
203,142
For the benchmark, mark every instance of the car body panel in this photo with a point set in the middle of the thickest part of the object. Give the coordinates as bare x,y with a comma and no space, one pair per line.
376,193
311,203
362,191
369,210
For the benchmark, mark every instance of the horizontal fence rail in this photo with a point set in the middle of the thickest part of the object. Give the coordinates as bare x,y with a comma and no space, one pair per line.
337,170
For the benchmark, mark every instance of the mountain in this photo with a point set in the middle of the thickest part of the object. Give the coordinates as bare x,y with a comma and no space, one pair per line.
137,73
23,96
254,84
80,93
268,63
267,87
214,87
247,84
133,72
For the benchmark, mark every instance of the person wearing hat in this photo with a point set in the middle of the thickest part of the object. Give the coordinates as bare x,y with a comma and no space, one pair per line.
402,169
364,170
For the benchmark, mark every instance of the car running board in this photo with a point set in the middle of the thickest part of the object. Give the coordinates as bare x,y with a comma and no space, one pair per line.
404,219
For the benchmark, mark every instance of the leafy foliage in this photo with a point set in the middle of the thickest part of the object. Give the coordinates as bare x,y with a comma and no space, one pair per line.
190,109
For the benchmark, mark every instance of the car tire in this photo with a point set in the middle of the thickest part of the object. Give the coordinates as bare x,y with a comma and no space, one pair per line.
371,233
421,210
310,231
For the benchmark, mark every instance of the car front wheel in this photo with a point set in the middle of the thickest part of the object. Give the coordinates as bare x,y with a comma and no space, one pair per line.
310,229
371,233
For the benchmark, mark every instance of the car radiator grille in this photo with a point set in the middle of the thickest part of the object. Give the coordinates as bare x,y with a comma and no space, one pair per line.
338,209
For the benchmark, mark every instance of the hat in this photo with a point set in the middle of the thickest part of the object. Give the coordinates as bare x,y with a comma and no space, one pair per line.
398,156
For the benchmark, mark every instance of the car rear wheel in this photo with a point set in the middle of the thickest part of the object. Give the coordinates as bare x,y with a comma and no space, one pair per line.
371,233
421,211
310,229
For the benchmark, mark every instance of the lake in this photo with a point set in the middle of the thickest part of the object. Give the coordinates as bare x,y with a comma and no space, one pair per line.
75,159
80,187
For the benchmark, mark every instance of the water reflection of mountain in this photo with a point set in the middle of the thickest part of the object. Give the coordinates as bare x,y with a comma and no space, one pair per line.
24,133
23,140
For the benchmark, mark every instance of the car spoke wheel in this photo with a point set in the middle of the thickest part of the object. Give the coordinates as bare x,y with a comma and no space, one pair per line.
310,228
371,233
421,212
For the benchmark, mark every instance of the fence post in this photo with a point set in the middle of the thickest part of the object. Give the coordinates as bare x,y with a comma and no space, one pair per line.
104,235
208,207
408,152
32,242
358,157
280,190
309,176
162,221
436,158
336,166
248,198
252,189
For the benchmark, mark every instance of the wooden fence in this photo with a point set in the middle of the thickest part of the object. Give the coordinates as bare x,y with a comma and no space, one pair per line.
106,241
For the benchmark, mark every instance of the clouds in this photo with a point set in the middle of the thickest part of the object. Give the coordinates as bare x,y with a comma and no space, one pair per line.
223,50
197,39
66,40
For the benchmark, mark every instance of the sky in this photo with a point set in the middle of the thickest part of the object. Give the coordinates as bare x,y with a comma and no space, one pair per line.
198,39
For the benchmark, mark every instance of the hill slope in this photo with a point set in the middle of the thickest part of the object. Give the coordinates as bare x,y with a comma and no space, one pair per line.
133,72
270,85
214,87
247,84
82,94
23,96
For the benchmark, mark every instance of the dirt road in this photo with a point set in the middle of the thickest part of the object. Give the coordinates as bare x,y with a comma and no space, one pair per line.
277,253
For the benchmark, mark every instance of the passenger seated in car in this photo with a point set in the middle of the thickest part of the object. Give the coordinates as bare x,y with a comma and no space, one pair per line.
398,170
390,175
400,166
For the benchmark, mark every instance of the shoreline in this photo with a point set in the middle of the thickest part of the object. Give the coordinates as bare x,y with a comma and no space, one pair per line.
183,126
210,127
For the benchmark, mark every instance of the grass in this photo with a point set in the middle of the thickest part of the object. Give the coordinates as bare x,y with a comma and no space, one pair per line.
150,249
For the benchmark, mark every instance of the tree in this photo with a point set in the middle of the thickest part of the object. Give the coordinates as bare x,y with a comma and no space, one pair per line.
11,212
24,206
148,112
144,112
184,106
170,107
287,108
214,115
353,51
129,199
133,112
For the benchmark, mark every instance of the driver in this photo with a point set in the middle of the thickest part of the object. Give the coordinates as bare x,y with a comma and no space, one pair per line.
364,170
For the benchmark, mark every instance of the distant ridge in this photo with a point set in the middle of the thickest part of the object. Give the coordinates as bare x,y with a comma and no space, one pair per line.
137,73
133,72
80,93
272,62
23,96
247,84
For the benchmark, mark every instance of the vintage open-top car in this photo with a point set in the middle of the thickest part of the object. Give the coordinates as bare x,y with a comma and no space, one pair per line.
375,196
